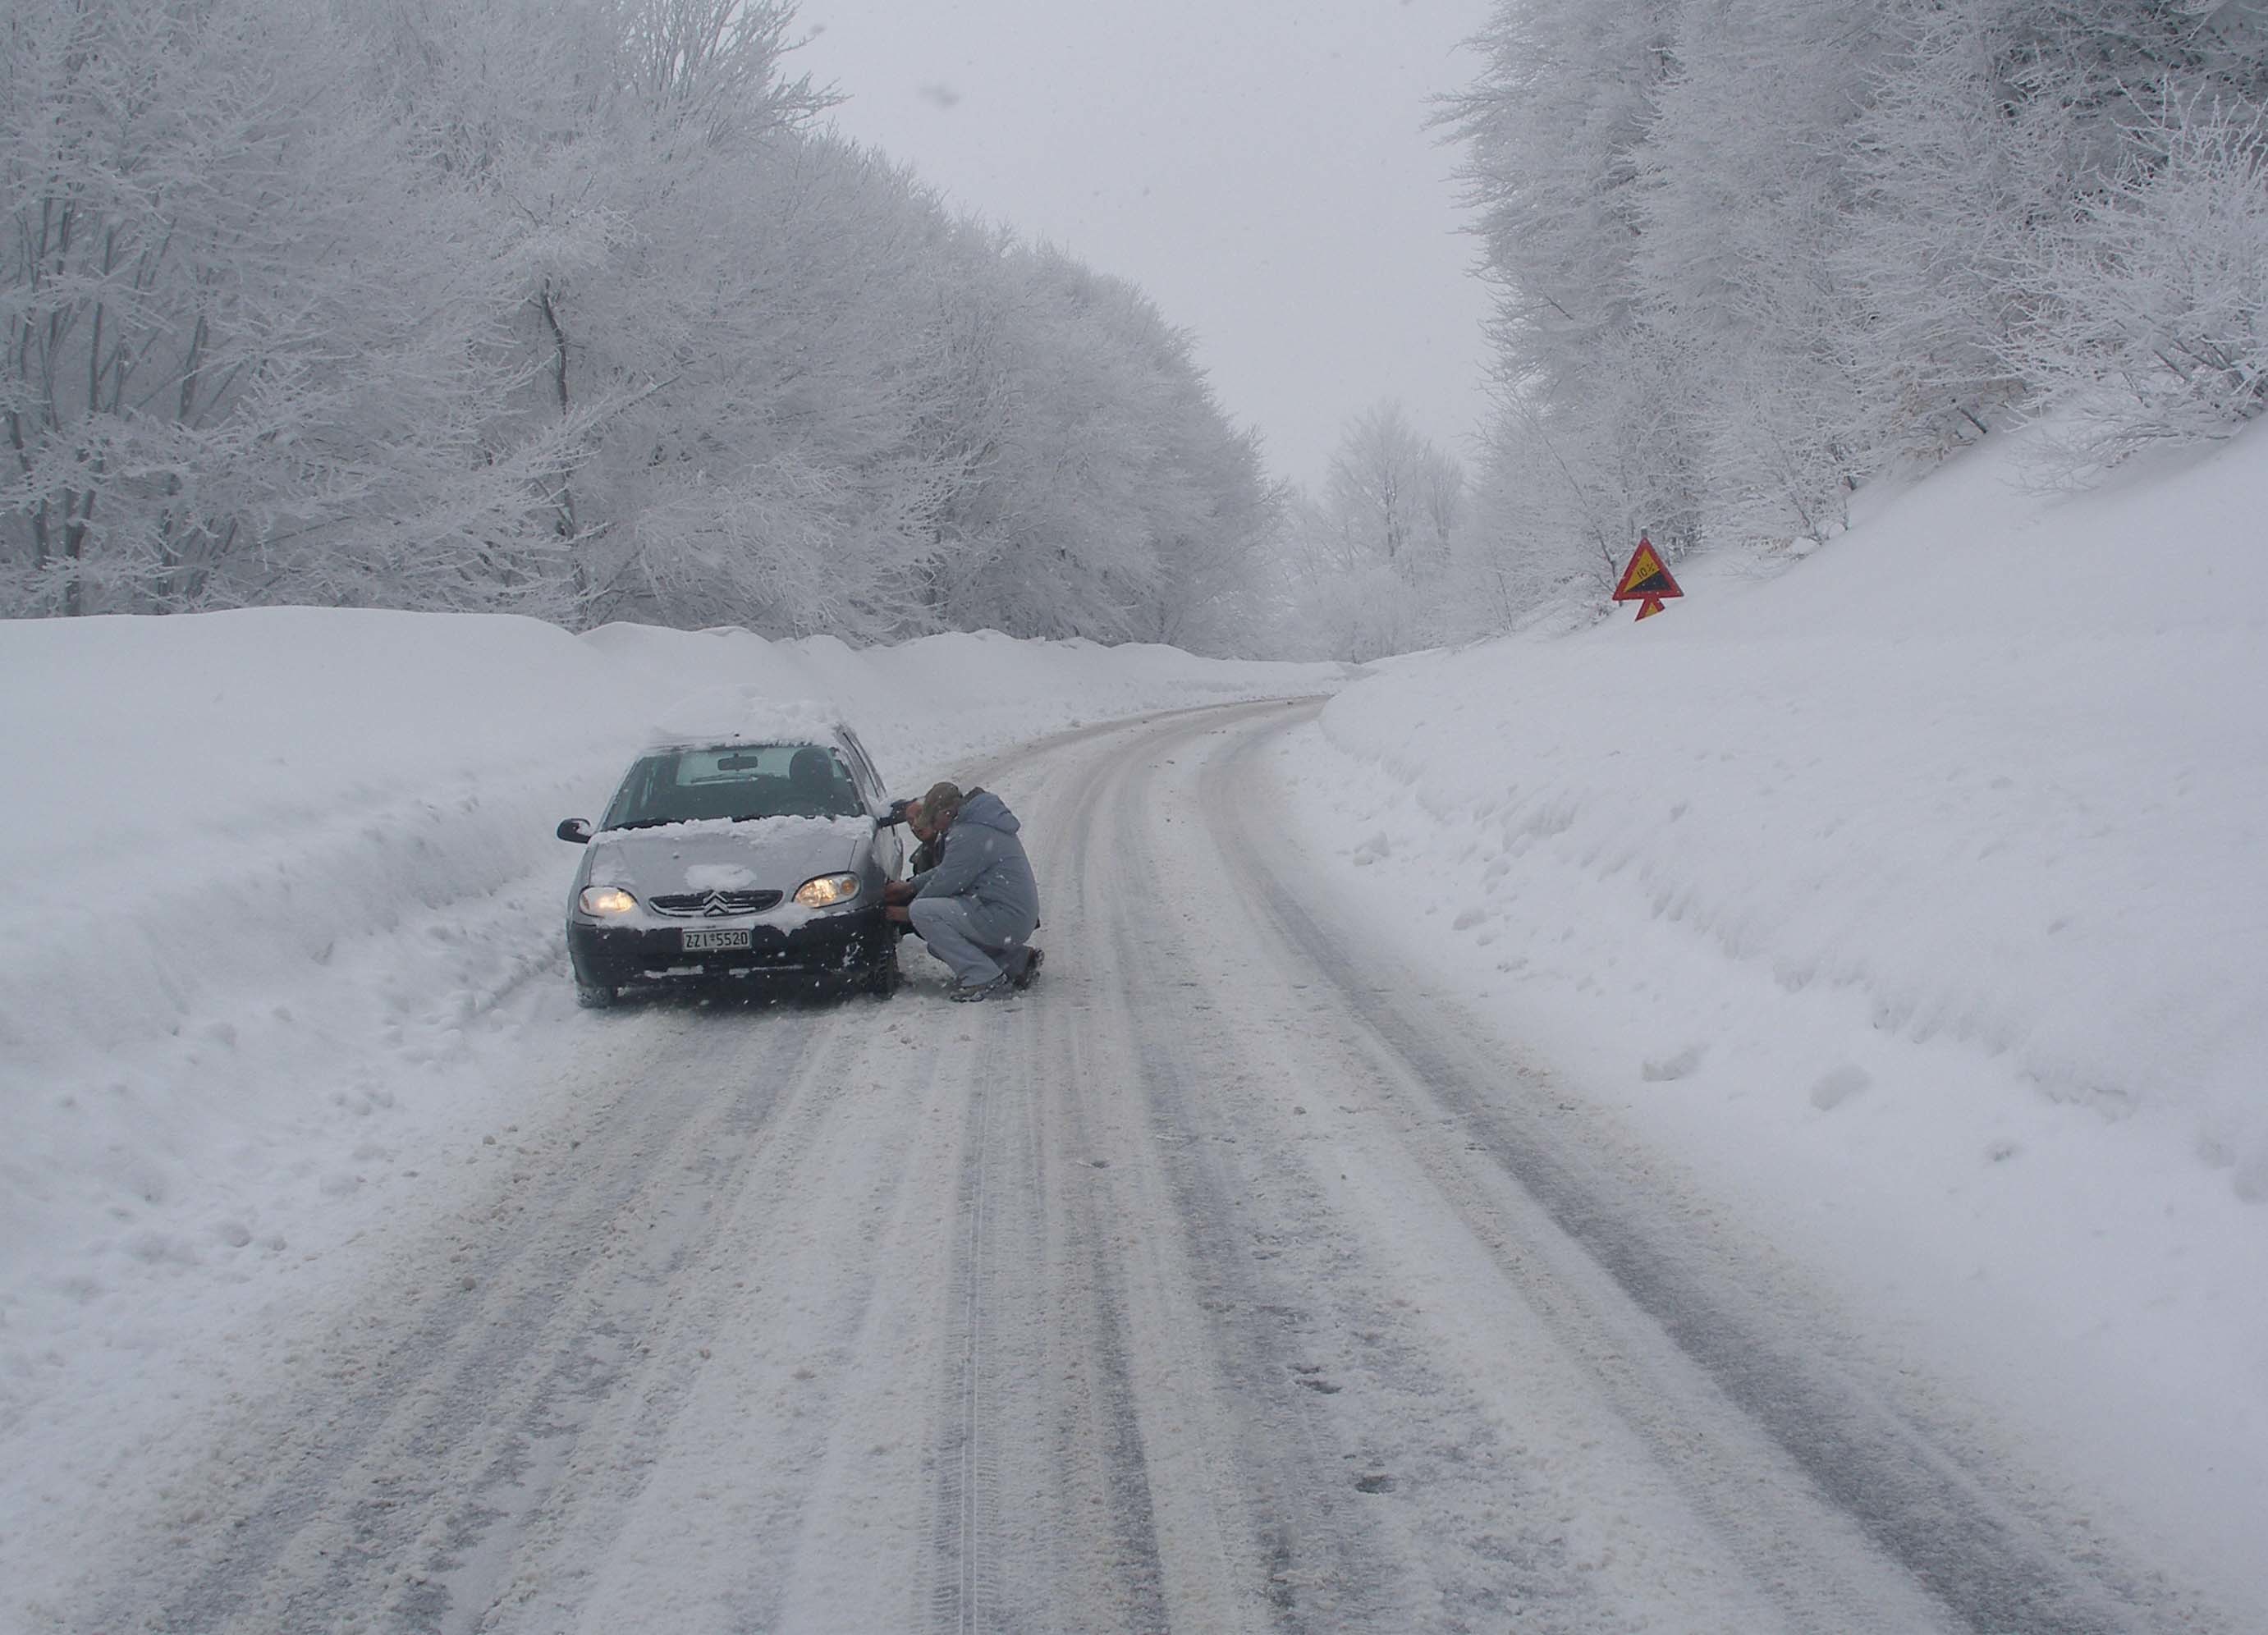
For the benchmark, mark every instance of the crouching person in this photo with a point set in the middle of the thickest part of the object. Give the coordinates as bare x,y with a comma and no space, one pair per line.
976,909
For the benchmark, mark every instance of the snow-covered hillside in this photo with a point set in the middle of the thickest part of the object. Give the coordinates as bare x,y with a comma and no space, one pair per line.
1916,894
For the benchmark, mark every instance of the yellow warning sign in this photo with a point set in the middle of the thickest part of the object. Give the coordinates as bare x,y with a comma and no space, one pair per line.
1646,580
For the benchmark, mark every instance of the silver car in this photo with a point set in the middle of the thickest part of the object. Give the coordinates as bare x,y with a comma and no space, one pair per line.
731,859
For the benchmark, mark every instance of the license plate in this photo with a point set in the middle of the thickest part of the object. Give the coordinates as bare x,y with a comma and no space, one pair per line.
700,941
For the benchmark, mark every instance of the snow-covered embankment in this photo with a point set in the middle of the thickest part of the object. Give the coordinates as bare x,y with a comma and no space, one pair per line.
1917,896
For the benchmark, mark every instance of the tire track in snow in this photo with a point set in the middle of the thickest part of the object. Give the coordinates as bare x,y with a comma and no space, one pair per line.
1306,1560
967,1486
1369,1478
439,1418
1200,1477
716,1504
1097,1429
1043,1497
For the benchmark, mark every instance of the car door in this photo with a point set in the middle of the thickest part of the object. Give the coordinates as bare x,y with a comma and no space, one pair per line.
890,843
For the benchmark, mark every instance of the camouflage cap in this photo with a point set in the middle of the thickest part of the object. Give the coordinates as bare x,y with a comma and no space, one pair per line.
941,805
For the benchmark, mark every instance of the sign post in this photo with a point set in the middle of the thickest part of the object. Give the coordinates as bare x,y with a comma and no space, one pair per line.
1646,580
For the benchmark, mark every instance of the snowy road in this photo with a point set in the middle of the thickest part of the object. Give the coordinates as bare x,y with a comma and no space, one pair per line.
1222,1282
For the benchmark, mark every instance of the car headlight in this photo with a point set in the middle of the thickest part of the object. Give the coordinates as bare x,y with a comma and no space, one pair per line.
601,901
827,890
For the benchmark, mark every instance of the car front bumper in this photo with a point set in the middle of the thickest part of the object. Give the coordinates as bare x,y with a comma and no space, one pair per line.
622,956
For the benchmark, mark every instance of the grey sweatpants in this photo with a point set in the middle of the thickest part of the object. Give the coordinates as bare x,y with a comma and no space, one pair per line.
978,942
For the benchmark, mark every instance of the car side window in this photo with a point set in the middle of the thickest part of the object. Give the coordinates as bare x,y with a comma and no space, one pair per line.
636,794
870,783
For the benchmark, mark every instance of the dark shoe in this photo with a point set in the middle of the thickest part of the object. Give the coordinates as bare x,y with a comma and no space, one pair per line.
1023,979
979,991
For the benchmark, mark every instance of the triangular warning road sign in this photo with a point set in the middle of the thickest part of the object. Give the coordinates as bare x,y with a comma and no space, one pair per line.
1647,608
1645,577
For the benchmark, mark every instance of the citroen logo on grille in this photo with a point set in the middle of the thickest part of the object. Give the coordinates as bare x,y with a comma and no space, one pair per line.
714,904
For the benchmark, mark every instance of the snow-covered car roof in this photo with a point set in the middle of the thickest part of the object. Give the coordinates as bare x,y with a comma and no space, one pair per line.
736,717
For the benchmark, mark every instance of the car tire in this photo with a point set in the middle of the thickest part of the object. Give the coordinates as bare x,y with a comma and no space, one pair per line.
883,976
594,997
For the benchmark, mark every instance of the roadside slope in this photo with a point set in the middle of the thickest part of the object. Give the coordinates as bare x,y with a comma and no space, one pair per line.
1911,898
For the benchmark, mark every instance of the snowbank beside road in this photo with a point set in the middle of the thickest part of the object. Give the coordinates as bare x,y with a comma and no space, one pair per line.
198,807
264,869
1918,897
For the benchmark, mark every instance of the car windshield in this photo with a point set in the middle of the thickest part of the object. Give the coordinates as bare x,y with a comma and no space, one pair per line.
736,782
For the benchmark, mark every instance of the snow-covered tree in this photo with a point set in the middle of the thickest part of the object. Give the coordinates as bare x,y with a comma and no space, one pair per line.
565,306
1369,562
242,361
1746,197
1748,253
2013,235
1555,133
1390,495
1101,487
2150,320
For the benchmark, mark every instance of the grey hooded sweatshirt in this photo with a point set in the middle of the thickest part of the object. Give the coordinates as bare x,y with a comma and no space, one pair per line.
984,864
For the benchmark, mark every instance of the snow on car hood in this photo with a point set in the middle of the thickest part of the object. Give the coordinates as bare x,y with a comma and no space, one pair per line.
715,854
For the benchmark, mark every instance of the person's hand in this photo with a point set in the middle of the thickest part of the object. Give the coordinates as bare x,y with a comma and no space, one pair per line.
897,891
899,913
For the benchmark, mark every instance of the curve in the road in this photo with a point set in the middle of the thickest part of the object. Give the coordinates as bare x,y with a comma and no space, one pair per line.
1226,1281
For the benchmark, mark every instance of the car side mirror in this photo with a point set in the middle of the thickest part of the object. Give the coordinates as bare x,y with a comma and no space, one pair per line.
577,830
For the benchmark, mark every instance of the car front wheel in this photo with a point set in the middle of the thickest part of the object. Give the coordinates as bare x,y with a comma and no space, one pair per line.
882,976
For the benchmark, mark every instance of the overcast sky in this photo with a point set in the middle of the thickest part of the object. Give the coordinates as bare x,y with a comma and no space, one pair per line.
1260,167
